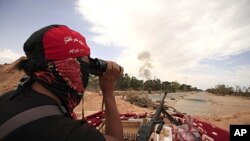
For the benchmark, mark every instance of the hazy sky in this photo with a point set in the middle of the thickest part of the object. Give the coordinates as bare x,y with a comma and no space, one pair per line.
206,42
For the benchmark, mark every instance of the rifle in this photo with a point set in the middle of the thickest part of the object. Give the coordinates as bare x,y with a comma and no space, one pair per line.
146,130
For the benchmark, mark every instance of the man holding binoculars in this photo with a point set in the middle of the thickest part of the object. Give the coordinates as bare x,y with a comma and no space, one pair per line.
58,65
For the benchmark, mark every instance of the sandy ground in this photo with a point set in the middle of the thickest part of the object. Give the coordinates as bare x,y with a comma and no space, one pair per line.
93,102
226,109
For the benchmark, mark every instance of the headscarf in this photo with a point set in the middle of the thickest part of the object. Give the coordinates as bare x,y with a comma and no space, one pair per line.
67,79
54,61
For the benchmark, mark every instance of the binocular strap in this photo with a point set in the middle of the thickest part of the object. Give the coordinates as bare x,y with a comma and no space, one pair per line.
28,116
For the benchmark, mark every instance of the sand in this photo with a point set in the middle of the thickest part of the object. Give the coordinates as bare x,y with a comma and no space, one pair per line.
236,109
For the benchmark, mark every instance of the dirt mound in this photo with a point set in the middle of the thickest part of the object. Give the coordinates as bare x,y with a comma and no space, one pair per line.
93,102
9,77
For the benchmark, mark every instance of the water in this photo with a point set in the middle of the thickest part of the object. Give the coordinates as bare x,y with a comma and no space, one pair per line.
158,97
193,104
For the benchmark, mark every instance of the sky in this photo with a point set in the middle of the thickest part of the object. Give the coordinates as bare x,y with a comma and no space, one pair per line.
196,42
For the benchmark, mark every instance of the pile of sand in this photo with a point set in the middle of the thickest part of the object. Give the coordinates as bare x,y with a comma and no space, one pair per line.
93,102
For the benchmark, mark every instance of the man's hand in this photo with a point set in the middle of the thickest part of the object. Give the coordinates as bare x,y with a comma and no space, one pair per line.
110,77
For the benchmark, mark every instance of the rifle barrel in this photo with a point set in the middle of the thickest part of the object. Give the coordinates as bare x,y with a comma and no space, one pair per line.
159,108
146,130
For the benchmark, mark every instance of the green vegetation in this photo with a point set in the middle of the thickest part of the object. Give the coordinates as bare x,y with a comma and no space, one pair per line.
222,89
132,83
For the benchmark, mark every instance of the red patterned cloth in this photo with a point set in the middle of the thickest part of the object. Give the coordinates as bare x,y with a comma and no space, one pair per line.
192,129
65,79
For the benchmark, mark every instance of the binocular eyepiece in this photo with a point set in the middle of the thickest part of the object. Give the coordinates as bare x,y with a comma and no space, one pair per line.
97,66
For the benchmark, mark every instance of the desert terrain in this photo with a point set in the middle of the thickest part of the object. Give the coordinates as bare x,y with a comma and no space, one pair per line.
220,111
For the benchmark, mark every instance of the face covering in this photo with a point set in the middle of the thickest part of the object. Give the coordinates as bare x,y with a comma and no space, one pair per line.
67,79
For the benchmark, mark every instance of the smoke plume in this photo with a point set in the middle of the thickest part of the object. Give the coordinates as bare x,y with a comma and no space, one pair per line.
146,60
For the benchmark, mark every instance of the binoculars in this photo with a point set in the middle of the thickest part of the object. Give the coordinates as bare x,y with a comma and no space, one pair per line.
97,66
